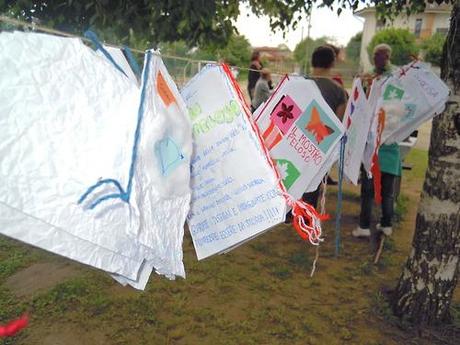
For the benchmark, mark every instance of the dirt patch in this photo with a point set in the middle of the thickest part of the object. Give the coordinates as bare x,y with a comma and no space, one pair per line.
39,277
120,291
67,334
424,133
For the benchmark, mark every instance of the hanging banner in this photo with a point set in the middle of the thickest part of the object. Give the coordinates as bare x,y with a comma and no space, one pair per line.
93,167
373,137
400,103
301,132
161,181
235,190
412,96
119,58
357,120
63,116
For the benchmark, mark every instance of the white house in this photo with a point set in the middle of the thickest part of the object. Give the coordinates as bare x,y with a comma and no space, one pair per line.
423,25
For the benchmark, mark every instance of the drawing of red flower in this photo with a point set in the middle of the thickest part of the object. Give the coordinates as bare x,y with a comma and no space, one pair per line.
285,112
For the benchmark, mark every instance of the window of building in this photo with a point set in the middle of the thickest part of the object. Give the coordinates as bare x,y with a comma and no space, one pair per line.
442,31
418,27
379,25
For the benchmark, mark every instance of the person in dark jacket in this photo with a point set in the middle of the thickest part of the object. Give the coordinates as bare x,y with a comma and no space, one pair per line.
254,73
323,60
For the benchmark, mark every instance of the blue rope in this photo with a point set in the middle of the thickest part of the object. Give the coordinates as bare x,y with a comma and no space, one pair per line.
124,195
93,37
140,115
338,212
132,61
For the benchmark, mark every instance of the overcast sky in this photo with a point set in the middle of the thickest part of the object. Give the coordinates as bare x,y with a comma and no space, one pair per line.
324,22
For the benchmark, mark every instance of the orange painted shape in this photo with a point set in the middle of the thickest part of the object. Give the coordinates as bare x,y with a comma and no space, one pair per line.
317,127
272,136
375,169
164,91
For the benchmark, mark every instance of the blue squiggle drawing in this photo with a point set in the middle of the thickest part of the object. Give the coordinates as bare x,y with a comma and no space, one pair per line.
123,194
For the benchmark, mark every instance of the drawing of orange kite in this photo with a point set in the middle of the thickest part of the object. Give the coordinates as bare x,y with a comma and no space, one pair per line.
317,127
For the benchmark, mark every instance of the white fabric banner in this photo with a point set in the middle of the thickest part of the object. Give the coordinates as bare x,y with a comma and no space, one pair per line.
81,175
302,133
408,97
371,143
161,182
412,96
235,192
357,120
120,59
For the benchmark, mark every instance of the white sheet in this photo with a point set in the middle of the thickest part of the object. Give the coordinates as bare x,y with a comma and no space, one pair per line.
69,121
302,133
357,120
235,193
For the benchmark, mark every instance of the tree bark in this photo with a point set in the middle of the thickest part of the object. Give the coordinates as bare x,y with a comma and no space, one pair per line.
424,292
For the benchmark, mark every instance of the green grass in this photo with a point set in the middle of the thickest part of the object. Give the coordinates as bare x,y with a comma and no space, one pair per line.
418,159
401,207
455,313
260,293
84,293
14,256
300,260
381,306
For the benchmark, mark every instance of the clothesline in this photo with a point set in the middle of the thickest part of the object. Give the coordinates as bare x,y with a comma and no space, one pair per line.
45,29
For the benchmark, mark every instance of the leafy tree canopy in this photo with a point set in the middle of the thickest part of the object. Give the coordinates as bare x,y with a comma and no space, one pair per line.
402,42
304,49
432,48
193,21
236,52
353,47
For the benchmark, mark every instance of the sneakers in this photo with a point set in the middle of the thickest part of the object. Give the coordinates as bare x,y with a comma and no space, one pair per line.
387,230
360,232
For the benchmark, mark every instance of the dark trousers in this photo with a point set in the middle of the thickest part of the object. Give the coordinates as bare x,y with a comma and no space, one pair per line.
251,93
367,199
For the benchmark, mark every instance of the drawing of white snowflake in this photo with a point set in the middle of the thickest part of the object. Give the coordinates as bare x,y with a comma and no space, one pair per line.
283,169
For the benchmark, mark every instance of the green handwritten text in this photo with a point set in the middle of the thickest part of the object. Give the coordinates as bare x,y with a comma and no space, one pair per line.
225,115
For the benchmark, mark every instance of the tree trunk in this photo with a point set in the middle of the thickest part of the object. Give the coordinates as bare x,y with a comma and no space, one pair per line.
428,280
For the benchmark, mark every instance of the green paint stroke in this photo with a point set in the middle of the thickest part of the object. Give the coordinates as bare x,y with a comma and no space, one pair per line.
225,115
288,171
194,111
393,93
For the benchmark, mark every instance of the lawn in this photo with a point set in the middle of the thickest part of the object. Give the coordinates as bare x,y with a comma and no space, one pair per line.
260,293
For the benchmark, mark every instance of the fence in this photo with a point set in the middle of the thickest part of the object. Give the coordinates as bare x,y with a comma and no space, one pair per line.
183,68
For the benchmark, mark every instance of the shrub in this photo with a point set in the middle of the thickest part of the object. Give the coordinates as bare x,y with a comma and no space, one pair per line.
432,48
401,41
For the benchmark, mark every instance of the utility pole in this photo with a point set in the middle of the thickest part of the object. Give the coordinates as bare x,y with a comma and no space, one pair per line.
307,43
